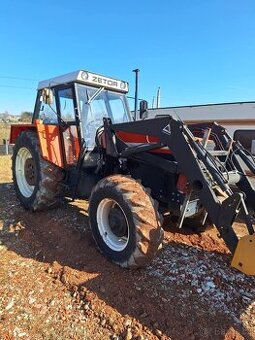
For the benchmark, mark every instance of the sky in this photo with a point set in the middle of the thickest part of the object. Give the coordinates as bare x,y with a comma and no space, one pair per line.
196,51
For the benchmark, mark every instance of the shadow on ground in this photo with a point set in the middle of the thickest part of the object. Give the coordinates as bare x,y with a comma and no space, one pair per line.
62,235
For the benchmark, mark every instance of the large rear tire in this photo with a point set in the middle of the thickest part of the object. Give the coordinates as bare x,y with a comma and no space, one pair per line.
125,222
36,181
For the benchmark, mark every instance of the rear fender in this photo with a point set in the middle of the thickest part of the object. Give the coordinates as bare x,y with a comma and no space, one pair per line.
50,143
49,139
16,130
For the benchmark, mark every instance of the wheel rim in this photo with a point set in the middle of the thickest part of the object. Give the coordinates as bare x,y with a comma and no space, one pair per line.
25,172
112,224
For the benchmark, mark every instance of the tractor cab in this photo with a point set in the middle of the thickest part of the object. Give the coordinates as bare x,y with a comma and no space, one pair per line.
70,109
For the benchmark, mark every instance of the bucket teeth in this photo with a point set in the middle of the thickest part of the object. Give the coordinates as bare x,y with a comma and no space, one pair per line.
244,256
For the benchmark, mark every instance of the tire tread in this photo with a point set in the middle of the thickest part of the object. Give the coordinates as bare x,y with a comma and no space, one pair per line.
147,219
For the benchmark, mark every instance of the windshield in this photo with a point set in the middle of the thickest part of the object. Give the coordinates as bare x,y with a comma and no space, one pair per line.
105,104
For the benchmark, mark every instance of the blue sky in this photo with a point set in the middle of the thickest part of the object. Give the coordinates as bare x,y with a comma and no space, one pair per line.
197,51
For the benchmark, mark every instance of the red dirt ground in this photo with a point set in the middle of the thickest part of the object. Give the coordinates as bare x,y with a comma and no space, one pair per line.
55,285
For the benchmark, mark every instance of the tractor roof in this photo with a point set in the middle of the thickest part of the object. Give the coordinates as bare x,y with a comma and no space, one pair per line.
87,78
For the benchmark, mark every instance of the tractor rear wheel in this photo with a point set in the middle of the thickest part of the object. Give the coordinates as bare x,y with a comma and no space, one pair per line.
125,222
36,181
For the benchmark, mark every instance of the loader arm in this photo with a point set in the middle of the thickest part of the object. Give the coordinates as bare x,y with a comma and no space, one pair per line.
204,173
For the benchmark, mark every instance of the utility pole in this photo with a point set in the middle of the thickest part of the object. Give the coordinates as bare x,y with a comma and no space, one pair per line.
136,90
153,102
158,98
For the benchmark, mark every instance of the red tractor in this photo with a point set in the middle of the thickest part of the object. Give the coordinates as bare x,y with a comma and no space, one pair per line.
84,143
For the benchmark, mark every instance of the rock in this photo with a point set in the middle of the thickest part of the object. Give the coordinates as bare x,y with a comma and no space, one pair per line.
158,332
31,300
86,306
10,304
140,337
209,285
129,334
103,322
20,335
115,337
127,323
248,295
115,327
111,321
49,270
246,299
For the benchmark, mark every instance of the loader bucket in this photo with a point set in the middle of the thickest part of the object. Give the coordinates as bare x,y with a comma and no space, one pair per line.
244,256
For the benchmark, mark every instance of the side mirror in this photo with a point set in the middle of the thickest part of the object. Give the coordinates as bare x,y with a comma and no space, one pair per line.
143,109
47,96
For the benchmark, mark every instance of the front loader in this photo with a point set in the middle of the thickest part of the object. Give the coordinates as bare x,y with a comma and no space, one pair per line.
83,143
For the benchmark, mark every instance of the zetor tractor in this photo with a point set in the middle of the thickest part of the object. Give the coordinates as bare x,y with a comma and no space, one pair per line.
83,143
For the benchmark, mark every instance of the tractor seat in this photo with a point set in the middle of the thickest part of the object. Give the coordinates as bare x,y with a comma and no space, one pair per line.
100,138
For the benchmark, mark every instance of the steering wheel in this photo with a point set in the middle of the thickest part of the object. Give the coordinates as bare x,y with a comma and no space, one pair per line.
93,125
91,128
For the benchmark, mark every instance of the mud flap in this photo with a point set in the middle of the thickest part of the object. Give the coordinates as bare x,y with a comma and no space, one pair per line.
244,256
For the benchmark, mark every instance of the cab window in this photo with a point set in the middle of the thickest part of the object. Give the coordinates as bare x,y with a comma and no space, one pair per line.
66,103
119,113
69,132
47,113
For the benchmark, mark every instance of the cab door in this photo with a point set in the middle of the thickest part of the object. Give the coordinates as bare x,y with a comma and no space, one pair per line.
69,124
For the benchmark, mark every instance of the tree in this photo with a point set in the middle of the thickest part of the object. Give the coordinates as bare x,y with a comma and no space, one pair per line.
26,116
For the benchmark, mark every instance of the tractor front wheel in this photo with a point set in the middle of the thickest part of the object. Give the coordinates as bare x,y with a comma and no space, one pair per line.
124,221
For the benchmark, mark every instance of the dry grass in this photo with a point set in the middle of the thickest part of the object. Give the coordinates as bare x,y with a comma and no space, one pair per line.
4,132
5,169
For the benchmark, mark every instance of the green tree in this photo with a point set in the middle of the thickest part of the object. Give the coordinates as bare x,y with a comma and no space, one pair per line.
26,116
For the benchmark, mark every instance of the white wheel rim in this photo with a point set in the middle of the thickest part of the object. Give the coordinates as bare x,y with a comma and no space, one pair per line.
113,241
22,156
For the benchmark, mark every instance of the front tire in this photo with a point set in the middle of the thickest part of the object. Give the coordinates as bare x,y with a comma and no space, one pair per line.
124,221
36,181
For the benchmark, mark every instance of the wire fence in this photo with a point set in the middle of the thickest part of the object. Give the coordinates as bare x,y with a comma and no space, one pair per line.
6,149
